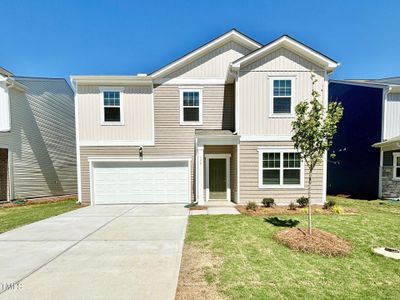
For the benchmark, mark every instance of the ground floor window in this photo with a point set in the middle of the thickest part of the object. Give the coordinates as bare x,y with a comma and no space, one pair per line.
280,168
396,165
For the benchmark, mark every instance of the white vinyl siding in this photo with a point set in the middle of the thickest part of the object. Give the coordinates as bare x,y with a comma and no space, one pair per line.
392,115
4,107
42,139
136,115
255,103
141,182
213,65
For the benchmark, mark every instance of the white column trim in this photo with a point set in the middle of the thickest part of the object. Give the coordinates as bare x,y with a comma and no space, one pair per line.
199,174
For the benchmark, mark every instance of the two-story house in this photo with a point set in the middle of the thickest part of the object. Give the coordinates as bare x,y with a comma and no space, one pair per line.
367,144
37,137
212,125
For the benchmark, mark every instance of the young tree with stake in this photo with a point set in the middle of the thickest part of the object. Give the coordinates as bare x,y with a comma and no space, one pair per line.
313,131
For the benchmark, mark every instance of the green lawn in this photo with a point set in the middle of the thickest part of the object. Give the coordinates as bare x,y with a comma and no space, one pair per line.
255,266
17,216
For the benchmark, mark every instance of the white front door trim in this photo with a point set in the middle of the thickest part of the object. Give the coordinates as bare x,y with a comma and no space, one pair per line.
226,156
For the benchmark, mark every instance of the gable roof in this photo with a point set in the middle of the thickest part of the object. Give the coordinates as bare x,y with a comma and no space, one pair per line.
292,44
231,35
5,72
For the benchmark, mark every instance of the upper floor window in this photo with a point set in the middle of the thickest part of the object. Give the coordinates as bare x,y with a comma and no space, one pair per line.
396,165
280,168
191,107
112,107
282,96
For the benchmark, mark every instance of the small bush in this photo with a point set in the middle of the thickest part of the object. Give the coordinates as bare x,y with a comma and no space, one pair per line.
292,206
268,202
304,210
337,209
328,204
303,201
251,205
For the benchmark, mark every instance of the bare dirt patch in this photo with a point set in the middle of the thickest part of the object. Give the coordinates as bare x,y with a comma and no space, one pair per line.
197,275
320,242
284,210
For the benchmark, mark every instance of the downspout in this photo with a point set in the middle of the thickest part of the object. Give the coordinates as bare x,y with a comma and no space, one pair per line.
386,91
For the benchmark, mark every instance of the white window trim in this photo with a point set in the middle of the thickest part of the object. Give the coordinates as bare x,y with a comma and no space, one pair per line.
278,186
271,95
121,105
198,90
395,166
227,157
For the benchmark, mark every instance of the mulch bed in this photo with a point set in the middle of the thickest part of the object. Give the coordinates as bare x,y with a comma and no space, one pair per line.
34,201
198,207
320,242
284,210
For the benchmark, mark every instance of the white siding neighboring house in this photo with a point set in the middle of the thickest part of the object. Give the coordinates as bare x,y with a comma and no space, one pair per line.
37,137
213,125
389,175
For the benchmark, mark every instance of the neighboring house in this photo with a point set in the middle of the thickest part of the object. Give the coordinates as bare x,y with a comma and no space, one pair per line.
37,137
367,144
212,125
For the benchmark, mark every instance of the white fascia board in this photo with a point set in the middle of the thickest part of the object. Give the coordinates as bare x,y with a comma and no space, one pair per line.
231,35
112,80
287,42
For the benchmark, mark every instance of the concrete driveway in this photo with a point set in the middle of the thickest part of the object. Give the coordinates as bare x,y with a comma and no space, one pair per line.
99,252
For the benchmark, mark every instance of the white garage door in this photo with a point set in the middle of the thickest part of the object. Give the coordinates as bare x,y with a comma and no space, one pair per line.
140,182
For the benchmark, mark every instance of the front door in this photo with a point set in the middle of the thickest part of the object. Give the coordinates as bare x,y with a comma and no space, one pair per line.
218,179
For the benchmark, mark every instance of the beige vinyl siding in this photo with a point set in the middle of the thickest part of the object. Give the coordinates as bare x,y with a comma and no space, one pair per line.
229,149
255,100
213,65
249,181
137,108
171,138
42,139
393,116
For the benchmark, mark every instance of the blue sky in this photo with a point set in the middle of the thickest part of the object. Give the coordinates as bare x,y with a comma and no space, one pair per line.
62,38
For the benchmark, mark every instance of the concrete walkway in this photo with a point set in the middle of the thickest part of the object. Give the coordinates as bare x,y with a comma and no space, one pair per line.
100,252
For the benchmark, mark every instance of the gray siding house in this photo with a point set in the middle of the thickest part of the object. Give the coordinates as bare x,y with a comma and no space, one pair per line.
213,125
37,137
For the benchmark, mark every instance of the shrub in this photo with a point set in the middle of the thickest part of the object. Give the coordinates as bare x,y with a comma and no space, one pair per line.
268,202
292,206
337,209
303,201
329,204
251,205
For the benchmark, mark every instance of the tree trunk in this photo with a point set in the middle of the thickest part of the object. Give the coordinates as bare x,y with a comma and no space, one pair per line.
309,202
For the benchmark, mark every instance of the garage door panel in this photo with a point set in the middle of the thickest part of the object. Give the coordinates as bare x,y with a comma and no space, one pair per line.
141,182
